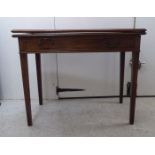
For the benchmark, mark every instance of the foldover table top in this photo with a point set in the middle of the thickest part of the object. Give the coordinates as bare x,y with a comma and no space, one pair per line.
44,32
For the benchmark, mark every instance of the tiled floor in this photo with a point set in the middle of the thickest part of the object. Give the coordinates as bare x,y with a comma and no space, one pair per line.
87,117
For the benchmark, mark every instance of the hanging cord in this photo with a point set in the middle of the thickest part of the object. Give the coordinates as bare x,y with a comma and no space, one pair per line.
134,22
57,67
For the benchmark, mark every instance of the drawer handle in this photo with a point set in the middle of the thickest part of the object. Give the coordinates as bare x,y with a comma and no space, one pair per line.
112,44
45,43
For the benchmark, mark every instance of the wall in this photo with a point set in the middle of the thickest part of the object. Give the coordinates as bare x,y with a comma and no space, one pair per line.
97,73
10,73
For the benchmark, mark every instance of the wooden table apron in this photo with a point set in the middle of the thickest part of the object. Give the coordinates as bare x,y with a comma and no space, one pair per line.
74,43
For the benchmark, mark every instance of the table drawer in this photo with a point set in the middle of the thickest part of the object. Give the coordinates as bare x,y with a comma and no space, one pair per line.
36,44
64,44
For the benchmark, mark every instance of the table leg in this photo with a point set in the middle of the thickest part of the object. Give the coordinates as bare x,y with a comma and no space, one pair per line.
134,74
25,76
39,80
122,64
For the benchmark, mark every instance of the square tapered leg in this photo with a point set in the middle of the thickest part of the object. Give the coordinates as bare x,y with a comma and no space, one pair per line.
39,79
122,65
25,77
134,74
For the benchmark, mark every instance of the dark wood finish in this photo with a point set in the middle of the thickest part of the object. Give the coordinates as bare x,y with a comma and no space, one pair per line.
122,65
134,73
39,79
25,76
74,41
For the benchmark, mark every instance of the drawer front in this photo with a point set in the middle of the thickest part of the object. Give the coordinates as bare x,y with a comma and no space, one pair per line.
68,44
36,44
